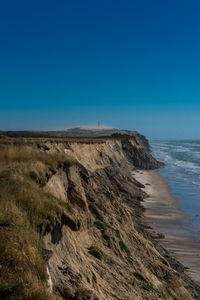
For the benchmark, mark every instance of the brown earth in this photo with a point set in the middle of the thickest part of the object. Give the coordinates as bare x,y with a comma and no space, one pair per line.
98,248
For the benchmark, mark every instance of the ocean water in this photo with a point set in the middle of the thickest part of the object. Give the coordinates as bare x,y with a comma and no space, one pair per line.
182,172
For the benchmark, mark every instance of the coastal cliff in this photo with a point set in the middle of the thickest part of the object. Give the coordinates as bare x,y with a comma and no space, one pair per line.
84,236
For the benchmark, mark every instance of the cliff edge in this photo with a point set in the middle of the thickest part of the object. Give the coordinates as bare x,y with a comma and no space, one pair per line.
71,223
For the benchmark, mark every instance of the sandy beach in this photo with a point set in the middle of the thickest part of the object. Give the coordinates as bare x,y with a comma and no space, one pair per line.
164,216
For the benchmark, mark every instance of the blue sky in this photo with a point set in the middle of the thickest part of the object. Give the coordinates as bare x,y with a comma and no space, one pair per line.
129,64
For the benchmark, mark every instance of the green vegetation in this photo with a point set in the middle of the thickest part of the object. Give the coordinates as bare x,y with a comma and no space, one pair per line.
150,287
67,206
118,235
100,225
124,247
24,205
103,226
72,133
147,286
96,252
168,290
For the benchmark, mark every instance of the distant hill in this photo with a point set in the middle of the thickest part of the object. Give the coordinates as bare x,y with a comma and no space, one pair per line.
72,132
78,132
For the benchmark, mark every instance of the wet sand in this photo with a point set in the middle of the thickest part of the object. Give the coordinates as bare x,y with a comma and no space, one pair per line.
164,216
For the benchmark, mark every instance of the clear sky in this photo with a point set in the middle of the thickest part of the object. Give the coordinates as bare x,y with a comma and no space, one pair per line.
129,64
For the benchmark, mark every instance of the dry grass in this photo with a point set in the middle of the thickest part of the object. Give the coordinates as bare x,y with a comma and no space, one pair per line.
23,206
12,152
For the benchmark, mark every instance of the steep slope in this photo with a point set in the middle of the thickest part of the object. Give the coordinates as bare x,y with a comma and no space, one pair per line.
79,199
120,150
100,254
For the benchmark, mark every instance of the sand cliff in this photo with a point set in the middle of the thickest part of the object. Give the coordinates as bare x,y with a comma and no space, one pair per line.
96,252
96,247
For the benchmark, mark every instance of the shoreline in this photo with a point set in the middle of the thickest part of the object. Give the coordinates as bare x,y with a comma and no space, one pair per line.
164,216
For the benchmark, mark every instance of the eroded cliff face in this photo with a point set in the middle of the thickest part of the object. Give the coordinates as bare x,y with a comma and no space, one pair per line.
96,251
112,151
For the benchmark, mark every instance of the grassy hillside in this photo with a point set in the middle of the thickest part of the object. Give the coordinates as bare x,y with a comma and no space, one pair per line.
23,206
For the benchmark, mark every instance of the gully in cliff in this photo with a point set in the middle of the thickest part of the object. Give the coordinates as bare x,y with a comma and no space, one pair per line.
71,222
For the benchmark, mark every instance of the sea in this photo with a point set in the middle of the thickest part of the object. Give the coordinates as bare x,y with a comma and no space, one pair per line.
182,172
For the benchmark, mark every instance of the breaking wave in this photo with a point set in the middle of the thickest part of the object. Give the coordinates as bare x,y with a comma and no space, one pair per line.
182,171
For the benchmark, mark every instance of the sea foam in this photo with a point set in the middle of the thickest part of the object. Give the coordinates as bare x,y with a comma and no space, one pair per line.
182,171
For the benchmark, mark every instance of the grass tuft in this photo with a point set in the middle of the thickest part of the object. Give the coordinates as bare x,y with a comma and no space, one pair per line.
100,225
118,235
96,252
123,246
